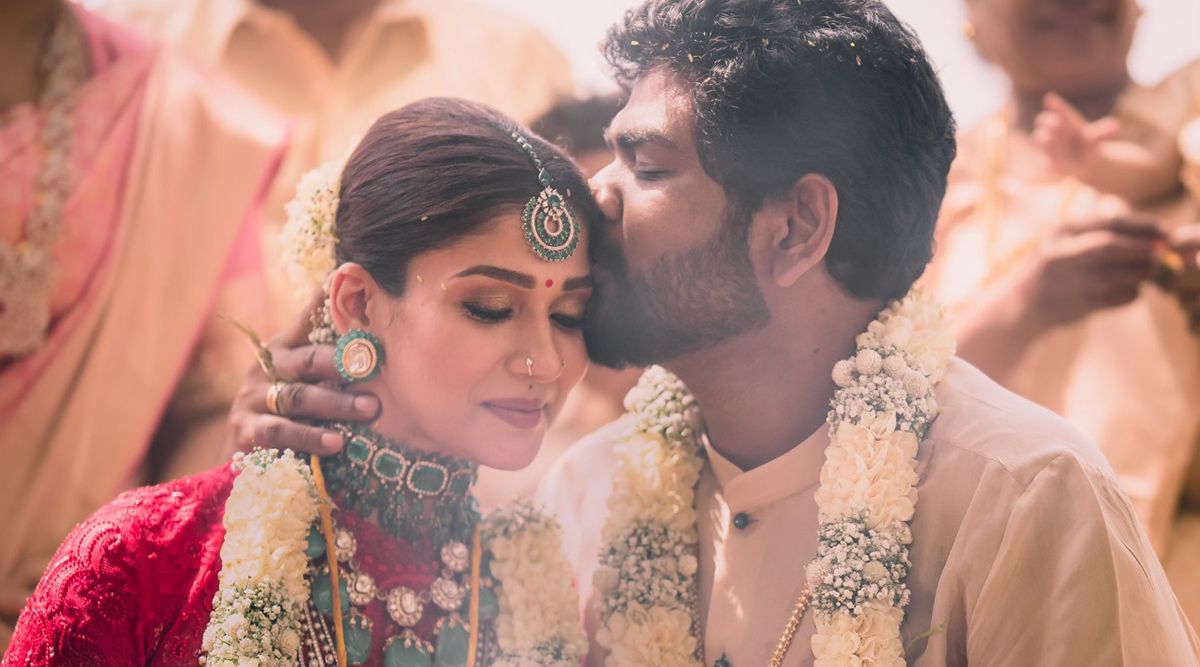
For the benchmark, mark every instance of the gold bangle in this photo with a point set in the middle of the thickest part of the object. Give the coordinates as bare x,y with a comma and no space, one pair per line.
273,391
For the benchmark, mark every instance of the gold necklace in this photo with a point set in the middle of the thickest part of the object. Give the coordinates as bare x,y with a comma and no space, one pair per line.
789,630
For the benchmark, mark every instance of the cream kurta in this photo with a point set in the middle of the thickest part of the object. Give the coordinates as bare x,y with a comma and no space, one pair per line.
1026,552
1128,377
407,50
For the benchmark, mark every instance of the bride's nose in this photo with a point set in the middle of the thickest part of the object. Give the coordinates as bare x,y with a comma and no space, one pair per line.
539,360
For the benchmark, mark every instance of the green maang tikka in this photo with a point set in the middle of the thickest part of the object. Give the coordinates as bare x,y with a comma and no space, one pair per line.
550,229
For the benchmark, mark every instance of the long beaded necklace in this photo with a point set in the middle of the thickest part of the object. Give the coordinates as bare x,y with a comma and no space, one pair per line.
26,269
418,497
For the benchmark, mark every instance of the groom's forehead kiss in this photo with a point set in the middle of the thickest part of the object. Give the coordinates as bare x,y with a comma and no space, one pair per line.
656,186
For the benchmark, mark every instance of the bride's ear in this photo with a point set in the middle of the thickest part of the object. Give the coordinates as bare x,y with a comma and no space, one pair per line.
351,292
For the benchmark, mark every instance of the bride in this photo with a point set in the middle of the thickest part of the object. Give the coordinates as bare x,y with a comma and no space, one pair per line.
456,288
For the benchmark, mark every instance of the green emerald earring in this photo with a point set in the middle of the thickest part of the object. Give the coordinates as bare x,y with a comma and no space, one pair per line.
358,356
550,229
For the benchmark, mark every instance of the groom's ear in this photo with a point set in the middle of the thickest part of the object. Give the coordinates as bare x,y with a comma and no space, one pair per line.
351,290
799,227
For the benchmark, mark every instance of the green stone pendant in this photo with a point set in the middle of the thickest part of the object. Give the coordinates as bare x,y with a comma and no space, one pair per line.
406,653
322,594
452,643
358,639
316,544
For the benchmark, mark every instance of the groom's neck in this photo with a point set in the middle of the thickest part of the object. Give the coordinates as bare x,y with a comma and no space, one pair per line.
766,391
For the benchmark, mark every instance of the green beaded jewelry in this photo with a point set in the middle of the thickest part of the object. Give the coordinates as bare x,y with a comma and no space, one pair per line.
359,356
549,227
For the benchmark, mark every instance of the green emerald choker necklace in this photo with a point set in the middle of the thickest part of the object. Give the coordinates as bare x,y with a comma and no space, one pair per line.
414,494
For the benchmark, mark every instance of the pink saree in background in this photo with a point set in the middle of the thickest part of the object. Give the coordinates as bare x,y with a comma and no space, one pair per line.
159,233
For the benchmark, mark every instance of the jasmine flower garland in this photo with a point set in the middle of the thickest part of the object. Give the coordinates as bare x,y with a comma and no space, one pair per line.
262,591
866,499
256,617
538,625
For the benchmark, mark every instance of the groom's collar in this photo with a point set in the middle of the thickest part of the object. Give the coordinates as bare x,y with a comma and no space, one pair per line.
796,471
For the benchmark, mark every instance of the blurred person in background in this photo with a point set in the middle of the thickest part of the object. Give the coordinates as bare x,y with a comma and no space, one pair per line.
577,126
336,66
115,250
1048,276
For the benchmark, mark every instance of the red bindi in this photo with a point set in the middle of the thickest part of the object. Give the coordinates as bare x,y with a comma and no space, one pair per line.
549,284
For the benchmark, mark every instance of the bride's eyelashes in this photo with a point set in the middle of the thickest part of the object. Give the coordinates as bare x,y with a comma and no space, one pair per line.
486,314
568,322
494,315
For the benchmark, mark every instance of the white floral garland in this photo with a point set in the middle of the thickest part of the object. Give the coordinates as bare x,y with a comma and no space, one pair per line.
647,571
308,240
262,592
867,496
538,625
256,615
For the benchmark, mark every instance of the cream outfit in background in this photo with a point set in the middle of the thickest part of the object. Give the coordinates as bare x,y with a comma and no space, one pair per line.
1128,377
1025,550
408,50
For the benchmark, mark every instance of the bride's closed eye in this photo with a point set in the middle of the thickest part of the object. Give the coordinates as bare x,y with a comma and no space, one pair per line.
495,311
567,321
488,312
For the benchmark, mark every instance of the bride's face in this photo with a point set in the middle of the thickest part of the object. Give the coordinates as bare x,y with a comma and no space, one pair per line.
459,341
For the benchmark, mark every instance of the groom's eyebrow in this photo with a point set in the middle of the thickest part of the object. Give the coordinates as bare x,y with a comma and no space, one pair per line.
507,275
628,140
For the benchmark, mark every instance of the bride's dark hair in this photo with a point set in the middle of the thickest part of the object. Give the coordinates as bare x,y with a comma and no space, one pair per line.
435,171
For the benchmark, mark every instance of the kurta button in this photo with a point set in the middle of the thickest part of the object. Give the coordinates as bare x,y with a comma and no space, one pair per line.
740,521
721,662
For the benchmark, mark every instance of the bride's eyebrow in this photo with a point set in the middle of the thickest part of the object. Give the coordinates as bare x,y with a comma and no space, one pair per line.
507,275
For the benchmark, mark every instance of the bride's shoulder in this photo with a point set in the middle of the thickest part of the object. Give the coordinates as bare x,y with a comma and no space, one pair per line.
119,575
165,514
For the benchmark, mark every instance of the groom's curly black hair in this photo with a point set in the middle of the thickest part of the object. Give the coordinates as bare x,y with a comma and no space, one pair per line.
782,88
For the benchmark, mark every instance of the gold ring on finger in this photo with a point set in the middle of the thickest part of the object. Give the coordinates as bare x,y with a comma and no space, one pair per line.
273,391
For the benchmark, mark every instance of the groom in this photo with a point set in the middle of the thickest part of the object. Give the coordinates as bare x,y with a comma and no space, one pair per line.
777,172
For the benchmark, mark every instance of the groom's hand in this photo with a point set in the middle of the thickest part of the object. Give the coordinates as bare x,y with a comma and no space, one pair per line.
300,368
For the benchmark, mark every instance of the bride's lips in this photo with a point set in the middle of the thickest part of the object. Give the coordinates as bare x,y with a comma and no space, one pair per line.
522,413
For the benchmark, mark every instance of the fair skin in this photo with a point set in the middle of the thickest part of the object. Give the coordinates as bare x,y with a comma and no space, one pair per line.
455,378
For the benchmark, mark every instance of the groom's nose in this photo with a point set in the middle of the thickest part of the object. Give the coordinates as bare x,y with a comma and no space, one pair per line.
607,195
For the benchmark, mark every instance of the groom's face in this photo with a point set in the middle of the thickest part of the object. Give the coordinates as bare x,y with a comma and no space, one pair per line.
672,269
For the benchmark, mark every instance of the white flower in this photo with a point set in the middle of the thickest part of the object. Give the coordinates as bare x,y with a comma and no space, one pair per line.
688,565
915,383
843,373
871,638
289,640
895,366
654,637
868,362
308,237
539,610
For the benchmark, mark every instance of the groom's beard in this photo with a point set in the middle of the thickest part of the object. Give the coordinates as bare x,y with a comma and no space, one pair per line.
683,303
